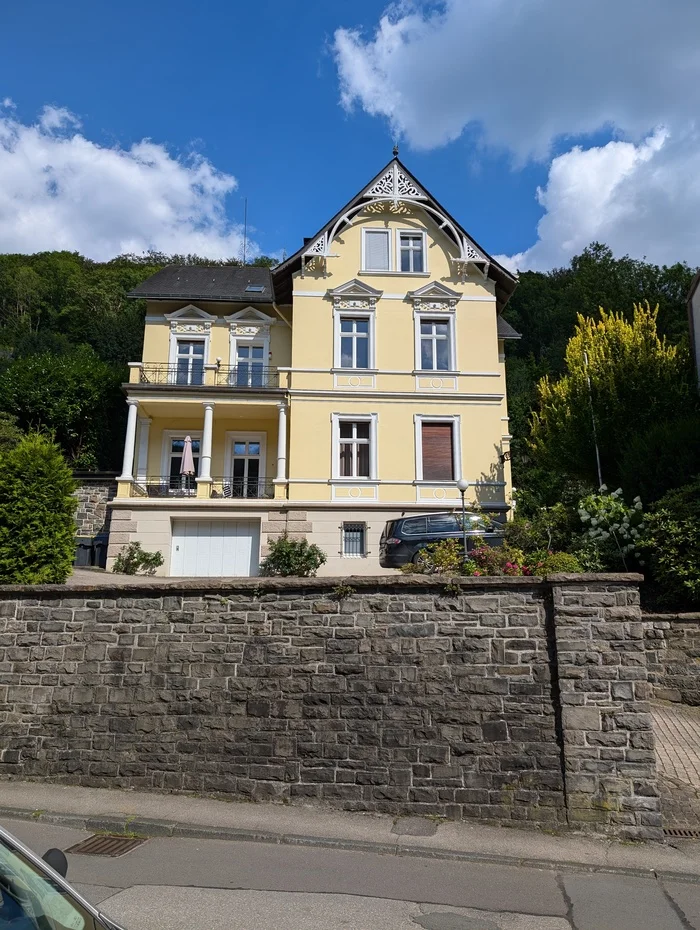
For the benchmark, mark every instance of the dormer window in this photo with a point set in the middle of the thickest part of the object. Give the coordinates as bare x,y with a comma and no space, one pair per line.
376,250
412,252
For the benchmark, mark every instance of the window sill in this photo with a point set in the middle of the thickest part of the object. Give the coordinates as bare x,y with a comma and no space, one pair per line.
397,274
356,371
353,480
435,373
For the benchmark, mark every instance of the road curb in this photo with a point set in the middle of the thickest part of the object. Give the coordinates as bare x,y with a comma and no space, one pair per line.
144,826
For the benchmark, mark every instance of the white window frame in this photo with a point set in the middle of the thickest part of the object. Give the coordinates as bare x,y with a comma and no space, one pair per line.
336,419
236,436
175,340
397,246
338,316
353,555
456,422
434,316
387,233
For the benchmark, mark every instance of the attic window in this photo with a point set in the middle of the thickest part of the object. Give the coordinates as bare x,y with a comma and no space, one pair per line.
255,289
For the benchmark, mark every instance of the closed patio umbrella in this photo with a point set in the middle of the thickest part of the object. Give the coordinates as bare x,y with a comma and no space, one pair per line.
187,465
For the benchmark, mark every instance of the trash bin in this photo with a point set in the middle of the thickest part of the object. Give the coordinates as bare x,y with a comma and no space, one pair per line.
83,551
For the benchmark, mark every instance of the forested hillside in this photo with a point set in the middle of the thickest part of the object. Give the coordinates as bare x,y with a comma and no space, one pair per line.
67,331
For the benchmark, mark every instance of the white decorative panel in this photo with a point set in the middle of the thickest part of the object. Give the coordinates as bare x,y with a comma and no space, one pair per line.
447,493
349,492
353,381
435,382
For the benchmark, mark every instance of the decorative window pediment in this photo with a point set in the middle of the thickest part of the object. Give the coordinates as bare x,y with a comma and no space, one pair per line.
249,322
354,295
190,320
434,296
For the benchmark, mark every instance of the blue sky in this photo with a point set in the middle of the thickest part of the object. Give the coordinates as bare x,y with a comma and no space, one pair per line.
299,103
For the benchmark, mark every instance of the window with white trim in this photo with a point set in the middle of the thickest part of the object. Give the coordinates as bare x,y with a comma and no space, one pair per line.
189,361
435,344
354,540
412,252
376,250
354,342
354,448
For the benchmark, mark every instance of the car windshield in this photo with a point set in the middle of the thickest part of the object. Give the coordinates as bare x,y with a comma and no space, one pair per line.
30,900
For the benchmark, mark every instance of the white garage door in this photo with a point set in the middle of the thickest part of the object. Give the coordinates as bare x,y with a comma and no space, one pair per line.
215,547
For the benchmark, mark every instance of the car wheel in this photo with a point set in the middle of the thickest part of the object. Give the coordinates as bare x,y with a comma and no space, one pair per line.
422,563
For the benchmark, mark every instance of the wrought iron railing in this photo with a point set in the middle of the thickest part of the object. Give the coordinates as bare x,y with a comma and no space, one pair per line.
236,488
247,376
166,486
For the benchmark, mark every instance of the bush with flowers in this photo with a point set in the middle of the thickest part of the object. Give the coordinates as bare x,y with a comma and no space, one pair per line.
614,527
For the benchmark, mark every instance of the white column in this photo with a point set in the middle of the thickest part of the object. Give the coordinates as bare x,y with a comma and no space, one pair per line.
205,450
282,443
142,457
130,442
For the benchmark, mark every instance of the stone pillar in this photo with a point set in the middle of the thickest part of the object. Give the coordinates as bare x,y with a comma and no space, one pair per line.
142,457
204,478
608,741
129,443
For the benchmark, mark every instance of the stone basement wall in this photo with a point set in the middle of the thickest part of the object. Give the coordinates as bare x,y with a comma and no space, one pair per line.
94,493
514,700
673,656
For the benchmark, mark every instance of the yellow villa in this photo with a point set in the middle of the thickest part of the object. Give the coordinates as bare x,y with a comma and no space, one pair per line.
356,382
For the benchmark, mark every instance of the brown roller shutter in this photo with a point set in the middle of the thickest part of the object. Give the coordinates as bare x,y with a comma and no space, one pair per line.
437,452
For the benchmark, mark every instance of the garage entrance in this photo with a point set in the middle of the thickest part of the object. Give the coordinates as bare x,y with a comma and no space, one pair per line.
214,548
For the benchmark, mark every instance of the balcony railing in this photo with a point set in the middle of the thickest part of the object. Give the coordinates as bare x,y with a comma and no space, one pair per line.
234,488
246,376
166,486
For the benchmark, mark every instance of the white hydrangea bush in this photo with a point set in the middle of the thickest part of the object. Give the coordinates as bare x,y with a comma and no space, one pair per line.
610,522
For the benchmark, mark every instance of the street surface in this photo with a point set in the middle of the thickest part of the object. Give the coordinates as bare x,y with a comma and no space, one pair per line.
170,883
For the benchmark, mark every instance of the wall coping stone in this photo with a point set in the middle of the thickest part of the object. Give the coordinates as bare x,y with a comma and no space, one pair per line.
429,583
675,617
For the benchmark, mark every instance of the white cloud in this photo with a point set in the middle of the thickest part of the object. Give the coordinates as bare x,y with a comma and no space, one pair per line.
525,71
528,73
59,190
640,199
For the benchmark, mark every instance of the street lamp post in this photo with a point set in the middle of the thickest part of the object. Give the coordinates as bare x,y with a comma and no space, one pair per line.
462,486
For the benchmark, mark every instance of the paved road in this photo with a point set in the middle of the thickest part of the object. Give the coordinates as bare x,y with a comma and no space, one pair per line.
188,884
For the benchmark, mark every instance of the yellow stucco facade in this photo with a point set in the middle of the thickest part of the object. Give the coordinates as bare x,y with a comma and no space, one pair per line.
306,397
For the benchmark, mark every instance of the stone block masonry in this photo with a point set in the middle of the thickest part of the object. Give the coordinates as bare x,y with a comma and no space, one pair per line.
512,700
94,492
673,656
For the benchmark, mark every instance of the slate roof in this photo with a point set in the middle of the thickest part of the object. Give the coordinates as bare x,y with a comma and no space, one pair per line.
203,282
506,331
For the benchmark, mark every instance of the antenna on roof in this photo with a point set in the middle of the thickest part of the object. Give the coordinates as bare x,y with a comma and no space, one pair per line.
396,149
245,228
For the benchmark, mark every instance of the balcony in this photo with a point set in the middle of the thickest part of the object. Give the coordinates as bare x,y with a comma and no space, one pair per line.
245,377
173,486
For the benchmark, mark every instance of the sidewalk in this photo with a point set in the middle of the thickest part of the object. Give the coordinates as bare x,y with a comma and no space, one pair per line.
154,814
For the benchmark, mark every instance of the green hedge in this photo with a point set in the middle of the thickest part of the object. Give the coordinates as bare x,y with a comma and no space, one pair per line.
37,506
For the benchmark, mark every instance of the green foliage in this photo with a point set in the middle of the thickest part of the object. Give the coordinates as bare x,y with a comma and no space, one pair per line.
662,457
292,557
444,557
37,506
672,543
342,591
496,560
549,563
545,309
10,433
636,380
548,528
133,559
75,397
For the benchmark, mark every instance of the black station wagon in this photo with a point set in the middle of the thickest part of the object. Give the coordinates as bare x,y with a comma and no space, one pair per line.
402,539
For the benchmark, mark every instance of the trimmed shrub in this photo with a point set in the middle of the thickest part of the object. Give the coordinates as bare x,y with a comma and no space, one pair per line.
37,507
496,560
292,557
133,559
549,563
672,544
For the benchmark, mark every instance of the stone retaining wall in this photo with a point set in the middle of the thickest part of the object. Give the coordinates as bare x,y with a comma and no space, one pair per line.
507,700
673,656
94,492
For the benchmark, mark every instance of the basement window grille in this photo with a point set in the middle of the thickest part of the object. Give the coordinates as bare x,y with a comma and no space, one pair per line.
354,540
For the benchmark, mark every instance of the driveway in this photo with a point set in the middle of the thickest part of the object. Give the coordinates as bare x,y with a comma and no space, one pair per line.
677,731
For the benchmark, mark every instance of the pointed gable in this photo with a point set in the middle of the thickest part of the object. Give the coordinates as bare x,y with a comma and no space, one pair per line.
354,295
394,184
